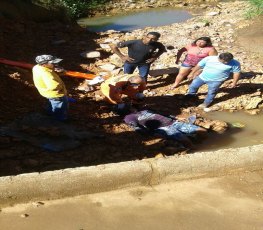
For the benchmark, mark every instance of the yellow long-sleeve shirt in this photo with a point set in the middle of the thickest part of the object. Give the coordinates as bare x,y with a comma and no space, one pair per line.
48,83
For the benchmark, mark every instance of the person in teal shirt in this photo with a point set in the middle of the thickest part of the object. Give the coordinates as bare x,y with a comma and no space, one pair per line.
216,69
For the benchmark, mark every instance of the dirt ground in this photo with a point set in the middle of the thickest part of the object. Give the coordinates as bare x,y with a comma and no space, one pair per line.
252,37
22,41
228,202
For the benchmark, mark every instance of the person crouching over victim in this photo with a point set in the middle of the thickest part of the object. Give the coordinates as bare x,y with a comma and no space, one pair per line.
126,84
50,86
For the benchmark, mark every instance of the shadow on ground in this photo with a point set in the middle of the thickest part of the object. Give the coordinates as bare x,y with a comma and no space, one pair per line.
111,141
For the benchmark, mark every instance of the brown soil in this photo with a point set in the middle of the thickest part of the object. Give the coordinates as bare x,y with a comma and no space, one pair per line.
252,37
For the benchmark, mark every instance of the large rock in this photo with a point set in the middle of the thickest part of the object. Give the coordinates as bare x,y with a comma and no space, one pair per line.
105,46
253,103
214,13
90,54
108,67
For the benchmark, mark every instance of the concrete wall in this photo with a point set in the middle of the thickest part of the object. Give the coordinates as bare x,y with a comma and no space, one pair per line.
86,180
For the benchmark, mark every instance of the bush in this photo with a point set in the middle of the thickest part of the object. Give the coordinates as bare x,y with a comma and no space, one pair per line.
256,8
80,8
74,8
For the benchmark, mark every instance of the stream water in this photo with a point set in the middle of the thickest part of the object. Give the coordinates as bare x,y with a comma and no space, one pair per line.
138,20
244,130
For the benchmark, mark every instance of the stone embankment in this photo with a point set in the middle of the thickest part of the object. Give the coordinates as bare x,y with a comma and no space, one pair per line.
220,22
148,172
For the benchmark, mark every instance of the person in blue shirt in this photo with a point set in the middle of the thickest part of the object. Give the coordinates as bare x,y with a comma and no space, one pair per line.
216,69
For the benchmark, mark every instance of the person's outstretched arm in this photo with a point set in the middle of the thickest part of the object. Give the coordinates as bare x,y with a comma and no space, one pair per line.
236,70
236,77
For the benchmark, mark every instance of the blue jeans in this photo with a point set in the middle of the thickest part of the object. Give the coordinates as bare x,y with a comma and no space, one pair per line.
143,69
177,130
58,107
213,87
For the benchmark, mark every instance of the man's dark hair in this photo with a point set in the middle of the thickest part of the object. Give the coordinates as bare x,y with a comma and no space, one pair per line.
227,57
206,39
156,34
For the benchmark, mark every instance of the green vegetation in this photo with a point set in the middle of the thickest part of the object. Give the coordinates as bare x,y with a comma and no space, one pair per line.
73,8
256,9
78,8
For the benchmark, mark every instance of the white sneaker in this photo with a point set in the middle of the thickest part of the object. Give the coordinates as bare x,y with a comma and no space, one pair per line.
204,107
207,109
201,106
96,80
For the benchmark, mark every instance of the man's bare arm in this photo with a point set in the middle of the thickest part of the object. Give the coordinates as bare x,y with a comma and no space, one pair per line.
117,51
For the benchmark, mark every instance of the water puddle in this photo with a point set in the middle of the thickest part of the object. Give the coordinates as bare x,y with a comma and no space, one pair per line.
245,130
138,20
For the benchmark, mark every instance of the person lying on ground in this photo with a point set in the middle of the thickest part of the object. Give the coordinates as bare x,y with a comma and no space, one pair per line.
216,70
196,51
49,85
130,85
141,53
168,127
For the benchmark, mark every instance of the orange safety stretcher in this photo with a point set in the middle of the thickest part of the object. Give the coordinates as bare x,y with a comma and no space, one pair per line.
30,66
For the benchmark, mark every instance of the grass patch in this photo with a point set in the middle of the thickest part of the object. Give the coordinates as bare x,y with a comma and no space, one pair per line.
256,9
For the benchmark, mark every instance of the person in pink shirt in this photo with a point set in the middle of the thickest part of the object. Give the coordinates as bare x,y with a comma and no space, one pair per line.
196,51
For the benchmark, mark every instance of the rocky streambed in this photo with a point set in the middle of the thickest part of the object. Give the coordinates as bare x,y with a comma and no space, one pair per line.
220,22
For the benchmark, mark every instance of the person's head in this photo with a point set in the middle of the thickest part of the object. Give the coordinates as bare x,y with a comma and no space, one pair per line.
225,57
151,37
135,81
203,42
48,61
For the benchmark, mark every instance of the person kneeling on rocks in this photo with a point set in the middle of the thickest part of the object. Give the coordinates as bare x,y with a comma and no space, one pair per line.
126,84
49,85
169,127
